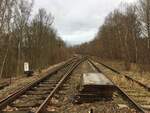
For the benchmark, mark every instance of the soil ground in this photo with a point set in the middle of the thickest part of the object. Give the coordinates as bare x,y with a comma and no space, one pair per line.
134,70
134,90
62,101
18,82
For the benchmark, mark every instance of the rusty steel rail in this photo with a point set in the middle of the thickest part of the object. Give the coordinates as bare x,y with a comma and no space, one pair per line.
4,102
125,75
42,108
123,94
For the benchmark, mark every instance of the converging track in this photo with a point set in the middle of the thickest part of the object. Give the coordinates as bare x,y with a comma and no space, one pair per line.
61,103
124,95
33,97
125,75
130,88
53,93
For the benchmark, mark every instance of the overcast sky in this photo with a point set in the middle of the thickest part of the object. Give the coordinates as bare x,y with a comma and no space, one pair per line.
77,21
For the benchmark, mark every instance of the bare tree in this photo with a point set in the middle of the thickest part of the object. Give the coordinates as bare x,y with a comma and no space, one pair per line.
22,13
27,39
144,14
6,14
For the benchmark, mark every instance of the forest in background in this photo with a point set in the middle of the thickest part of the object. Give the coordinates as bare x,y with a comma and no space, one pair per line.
125,36
24,37
27,38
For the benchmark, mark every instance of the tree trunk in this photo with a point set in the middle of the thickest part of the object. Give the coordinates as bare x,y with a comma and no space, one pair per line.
4,61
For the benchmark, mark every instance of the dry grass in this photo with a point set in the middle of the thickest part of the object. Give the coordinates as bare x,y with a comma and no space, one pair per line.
62,103
135,91
21,81
134,72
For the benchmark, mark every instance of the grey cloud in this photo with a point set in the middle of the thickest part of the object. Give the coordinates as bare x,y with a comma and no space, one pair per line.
77,21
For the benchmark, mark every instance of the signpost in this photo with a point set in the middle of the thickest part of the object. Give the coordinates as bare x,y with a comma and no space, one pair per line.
26,66
27,69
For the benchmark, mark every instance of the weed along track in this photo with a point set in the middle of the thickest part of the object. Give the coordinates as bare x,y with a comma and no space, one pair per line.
77,86
62,101
136,90
33,96
75,56
125,75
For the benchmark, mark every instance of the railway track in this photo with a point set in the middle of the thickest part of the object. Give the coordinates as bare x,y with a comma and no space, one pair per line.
61,103
34,96
53,92
137,95
125,75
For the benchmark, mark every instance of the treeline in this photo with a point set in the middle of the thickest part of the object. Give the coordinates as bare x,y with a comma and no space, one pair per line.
125,35
27,38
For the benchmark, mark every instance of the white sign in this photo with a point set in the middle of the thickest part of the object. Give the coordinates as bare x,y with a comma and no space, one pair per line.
26,66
